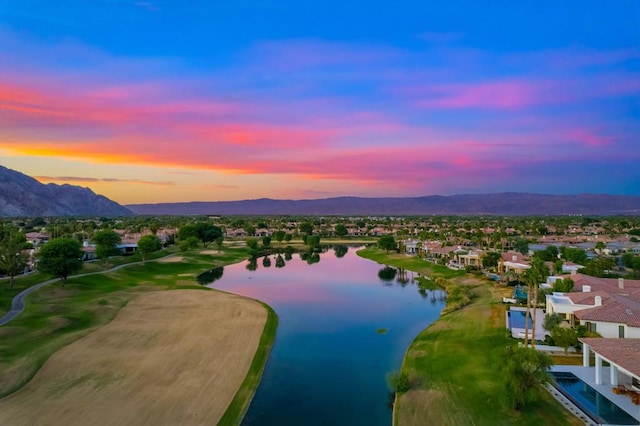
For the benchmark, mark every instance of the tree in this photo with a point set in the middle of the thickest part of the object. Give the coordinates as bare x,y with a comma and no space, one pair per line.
313,241
13,260
60,257
106,243
189,243
207,233
387,242
521,245
563,286
148,244
341,230
306,228
551,321
187,231
490,260
279,236
250,229
564,337
525,371
266,241
252,243
575,255
536,274
220,242
599,266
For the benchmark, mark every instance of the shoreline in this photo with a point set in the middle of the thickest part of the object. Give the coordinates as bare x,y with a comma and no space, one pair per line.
453,364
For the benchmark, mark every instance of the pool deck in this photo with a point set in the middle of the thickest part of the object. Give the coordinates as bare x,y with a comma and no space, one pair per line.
588,375
519,333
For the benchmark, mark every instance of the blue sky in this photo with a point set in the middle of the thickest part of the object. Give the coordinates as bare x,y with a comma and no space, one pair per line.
172,101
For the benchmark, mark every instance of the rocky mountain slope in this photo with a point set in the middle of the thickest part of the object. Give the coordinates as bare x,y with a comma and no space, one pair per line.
21,195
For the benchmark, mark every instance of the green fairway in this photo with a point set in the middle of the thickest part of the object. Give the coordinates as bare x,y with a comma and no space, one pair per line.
454,365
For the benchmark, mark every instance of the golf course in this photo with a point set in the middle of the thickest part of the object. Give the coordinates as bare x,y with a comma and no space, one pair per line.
141,345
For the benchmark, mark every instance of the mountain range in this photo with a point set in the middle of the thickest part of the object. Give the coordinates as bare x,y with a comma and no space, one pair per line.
508,203
21,195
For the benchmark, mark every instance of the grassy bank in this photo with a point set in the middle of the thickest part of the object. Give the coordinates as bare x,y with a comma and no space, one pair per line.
238,407
56,316
454,365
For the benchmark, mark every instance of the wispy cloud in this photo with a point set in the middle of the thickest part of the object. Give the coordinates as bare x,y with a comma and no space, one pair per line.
84,179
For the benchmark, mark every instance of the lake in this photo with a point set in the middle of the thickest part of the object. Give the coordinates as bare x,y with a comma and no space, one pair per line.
342,328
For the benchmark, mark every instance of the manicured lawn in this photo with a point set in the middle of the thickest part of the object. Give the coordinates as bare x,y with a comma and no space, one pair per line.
56,316
454,365
238,407
26,281
412,263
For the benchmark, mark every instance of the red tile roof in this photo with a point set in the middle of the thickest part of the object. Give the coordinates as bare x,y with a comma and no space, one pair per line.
617,309
623,352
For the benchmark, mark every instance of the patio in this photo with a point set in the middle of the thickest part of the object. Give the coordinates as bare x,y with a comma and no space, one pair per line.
587,375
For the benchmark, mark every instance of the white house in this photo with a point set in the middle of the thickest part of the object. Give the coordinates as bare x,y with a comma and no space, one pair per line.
618,317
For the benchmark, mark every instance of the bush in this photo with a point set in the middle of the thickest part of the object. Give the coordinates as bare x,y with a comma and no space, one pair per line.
398,382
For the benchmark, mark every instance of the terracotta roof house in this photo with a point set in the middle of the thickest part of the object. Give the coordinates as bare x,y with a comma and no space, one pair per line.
623,355
617,317
512,261
611,310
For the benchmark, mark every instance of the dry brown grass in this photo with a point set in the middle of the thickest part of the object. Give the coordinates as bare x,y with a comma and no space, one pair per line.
168,358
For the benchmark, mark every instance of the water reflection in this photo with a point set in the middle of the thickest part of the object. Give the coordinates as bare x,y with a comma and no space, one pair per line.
280,261
340,250
328,364
387,273
252,264
210,276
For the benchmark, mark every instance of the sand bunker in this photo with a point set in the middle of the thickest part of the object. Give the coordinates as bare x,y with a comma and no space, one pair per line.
168,358
171,259
209,252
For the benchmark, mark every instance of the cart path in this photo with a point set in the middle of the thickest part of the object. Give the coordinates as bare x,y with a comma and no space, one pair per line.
17,304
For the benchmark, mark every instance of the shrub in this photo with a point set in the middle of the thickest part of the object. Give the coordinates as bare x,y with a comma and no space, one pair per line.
398,382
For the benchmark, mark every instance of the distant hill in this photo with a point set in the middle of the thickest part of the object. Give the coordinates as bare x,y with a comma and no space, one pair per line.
509,203
21,195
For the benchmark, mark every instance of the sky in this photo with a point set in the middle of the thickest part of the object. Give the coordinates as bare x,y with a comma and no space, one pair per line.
169,101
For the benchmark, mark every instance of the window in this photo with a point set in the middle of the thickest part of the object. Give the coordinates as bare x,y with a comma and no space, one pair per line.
591,327
621,331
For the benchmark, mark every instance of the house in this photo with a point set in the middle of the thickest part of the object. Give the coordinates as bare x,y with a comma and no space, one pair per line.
411,246
37,238
617,317
623,357
512,261
472,258
611,310
570,267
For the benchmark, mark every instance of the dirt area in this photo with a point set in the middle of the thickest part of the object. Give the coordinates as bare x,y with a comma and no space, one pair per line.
168,358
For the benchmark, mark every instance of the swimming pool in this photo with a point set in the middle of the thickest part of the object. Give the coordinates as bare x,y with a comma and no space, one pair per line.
517,319
592,402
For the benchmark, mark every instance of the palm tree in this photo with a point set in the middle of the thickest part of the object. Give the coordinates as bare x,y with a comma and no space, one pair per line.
537,273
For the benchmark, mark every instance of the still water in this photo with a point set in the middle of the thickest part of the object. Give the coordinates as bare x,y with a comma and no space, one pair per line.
343,325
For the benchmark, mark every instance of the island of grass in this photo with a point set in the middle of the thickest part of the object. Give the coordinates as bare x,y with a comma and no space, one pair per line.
140,342
454,365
